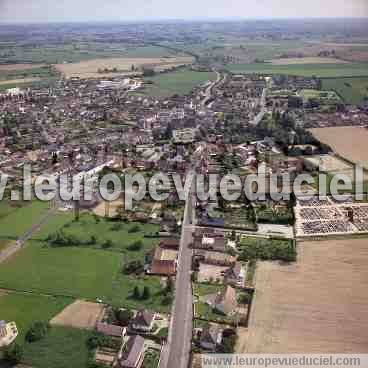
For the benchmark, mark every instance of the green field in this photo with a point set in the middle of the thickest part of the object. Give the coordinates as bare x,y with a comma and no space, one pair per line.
75,51
61,347
179,82
76,272
306,70
120,234
24,309
352,90
324,97
15,221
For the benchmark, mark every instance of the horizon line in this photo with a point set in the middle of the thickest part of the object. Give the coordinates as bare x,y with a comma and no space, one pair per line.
183,20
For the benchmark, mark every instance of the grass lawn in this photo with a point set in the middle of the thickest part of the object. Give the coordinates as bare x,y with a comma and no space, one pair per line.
151,358
24,309
179,82
205,312
62,347
352,90
121,234
77,272
205,289
306,70
18,221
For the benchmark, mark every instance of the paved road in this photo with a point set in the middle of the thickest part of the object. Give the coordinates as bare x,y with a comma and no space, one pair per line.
263,111
208,92
176,353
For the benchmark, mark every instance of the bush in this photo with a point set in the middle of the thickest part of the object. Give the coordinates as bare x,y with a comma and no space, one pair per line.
136,246
14,354
245,298
37,331
134,229
146,293
107,244
133,267
99,340
123,316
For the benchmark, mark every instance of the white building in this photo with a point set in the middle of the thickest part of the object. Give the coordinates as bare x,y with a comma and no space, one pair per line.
8,333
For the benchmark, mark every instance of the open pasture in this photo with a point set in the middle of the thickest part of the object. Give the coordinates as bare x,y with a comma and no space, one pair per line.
352,90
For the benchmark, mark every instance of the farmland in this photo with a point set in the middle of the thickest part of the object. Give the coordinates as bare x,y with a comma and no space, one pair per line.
90,68
348,142
352,90
72,52
27,308
306,60
308,70
179,82
326,287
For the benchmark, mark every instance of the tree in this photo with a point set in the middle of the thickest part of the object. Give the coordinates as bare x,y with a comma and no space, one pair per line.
136,246
13,354
245,298
146,293
134,229
148,72
37,331
136,293
123,316
107,244
169,286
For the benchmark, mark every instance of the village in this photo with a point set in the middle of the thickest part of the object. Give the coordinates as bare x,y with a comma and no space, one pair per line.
239,124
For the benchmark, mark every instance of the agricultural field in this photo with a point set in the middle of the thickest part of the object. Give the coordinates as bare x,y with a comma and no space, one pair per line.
91,68
25,75
352,90
80,314
307,70
24,309
306,60
326,287
348,142
61,347
179,82
48,53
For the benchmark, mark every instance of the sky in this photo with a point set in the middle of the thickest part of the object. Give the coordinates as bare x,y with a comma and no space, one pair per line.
24,11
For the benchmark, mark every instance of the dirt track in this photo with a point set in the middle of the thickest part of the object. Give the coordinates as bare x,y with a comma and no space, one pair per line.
318,305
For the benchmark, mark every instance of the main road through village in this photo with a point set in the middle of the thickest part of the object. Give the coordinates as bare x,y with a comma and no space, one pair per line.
176,352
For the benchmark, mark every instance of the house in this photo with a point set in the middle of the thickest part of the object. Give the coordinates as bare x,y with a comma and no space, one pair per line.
143,321
224,302
132,354
210,241
211,337
235,274
110,330
8,333
163,267
170,243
